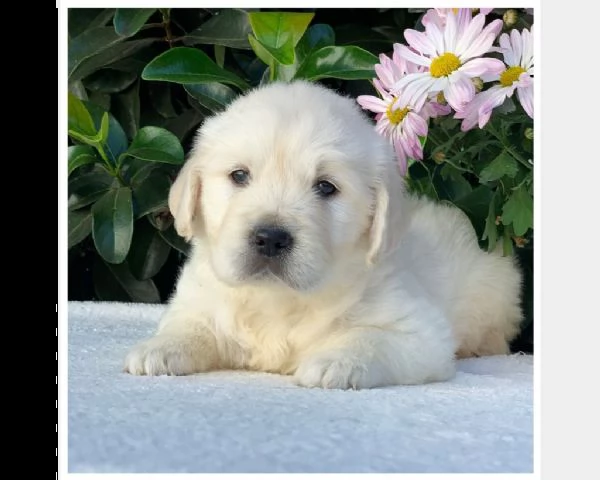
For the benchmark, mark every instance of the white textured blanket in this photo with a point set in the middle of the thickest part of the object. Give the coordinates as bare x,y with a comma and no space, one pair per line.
481,421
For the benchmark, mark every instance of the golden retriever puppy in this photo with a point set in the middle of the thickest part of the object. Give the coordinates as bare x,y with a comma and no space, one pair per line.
310,259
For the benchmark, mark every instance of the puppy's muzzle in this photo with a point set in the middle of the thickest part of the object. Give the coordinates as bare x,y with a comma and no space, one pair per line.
271,241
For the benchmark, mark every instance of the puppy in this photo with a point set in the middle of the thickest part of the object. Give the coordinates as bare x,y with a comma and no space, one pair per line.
310,259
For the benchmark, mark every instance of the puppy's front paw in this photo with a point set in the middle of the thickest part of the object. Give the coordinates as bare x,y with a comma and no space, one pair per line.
165,355
332,371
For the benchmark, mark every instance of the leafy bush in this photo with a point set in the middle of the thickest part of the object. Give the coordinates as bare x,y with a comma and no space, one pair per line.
142,80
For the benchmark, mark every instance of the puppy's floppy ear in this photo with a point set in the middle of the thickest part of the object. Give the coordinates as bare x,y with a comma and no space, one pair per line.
378,222
184,198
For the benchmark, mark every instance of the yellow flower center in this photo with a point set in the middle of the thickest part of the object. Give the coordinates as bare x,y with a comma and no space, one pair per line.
396,116
444,65
511,75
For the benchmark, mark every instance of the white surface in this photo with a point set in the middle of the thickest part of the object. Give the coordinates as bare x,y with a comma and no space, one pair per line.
481,421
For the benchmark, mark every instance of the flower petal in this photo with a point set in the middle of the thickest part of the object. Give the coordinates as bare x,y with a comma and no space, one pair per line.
418,124
435,35
482,66
450,32
420,42
415,94
401,157
506,49
409,55
483,42
380,88
526,98
494,98
527,55
515,40
524,80
369,102
462,21
459,92
468,35
432,16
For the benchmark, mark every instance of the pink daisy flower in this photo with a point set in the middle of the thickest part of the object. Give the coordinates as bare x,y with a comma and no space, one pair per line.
400,122
450,55
517,50
437,16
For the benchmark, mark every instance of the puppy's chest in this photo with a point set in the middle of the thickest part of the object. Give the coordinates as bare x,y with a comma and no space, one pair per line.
272,334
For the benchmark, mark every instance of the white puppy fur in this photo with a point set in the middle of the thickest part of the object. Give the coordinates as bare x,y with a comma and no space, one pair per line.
377,287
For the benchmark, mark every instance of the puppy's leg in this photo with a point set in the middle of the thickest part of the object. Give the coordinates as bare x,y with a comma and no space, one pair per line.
183,345
414,351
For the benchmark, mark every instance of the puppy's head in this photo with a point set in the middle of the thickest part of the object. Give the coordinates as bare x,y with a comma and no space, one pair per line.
284,186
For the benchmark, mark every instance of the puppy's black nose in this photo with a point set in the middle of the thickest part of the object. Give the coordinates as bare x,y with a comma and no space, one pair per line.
272,241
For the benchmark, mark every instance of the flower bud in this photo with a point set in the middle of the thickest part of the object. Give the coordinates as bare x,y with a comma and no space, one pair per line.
478,83
510,17
520,242
529,133
439,157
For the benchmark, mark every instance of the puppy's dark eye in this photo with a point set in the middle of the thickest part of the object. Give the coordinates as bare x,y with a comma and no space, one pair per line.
240,177
325,188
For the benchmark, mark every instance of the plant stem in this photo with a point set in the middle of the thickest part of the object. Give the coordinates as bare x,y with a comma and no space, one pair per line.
516,155
113,171
166,23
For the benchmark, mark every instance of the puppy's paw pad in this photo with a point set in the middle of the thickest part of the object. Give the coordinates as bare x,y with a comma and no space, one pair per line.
160,356
331,372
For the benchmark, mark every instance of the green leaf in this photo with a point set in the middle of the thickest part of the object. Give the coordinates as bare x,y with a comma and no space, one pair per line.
518,211
80,226
451,183
229,27
128,21
490,232
189,65
317,36
220,51
80,155
110,56
278,33
503,164
148,252
150,191
108,80
155,144
285,55
116,283
81,19
183,124
103,132
90,43
178,243
80,121
476,203
112,224
346,63
160,98
214,96
126,107
88,187
116,143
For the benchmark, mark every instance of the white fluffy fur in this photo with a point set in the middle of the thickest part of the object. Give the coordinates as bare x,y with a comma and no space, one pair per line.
380,288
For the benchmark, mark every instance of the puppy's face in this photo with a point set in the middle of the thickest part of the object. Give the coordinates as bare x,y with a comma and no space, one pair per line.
283,186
